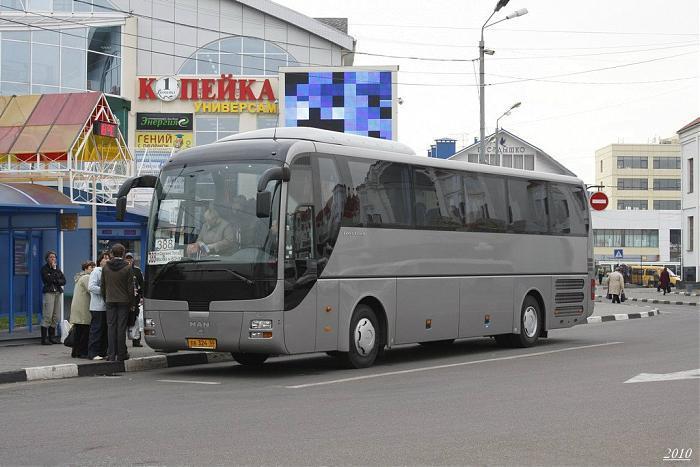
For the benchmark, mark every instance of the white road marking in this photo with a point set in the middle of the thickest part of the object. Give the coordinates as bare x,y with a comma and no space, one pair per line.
449,365
649,377
184,381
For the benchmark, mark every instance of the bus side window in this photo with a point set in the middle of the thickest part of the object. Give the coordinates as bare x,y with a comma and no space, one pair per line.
527,206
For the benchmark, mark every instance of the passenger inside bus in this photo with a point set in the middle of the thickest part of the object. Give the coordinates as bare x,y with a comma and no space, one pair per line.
217,236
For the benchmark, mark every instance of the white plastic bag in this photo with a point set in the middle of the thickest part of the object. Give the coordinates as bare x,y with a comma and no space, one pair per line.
134,332
65,329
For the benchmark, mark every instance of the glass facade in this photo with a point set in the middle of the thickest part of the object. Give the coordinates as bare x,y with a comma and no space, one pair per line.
70,60
667,204
667,184
633,238
238,56
56,6
633,204
211,128
632,184
632,162
673,163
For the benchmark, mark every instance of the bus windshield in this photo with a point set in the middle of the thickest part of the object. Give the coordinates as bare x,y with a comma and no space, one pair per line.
206,241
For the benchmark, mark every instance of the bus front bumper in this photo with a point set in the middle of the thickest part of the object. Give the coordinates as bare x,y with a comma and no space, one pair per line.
220,331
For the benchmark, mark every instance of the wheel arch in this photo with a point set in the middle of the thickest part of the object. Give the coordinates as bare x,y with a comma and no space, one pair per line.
537,295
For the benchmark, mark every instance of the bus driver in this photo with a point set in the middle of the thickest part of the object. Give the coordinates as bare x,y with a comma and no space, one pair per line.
216,236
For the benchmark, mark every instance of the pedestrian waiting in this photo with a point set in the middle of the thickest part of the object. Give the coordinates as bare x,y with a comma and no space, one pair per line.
97,343
135,322
118,292
52,294
80,316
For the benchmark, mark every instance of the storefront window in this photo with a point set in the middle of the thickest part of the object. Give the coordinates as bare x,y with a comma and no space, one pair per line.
237,55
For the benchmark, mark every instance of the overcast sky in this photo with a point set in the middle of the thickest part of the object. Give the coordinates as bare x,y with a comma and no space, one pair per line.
571,114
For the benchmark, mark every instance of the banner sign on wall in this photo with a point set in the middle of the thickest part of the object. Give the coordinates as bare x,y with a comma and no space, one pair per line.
164,121
152,139
355,100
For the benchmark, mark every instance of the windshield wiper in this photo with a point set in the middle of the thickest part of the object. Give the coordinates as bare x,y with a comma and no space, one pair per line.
235,274
169,264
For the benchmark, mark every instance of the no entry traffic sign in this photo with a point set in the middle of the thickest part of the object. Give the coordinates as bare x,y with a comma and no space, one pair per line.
599,201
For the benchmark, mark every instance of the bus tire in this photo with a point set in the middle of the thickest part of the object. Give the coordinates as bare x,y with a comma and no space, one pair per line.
530,323
365,338
250,359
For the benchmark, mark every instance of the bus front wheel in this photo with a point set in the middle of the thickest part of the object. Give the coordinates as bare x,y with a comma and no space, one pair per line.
365,338
250,359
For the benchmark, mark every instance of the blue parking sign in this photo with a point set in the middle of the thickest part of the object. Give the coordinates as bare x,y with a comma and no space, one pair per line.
617,253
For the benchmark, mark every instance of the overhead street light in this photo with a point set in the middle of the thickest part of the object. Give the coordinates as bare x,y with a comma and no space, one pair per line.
505,114
482,51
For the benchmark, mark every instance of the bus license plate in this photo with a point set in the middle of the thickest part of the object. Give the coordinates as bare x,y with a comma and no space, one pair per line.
196,343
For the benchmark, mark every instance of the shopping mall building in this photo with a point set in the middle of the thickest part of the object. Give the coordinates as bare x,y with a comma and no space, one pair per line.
166,76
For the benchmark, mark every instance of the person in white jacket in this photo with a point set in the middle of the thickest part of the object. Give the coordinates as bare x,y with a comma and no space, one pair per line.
616,285
97,343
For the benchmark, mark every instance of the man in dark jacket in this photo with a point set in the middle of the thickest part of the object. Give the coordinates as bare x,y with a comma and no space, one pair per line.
118,291
135,308
53,280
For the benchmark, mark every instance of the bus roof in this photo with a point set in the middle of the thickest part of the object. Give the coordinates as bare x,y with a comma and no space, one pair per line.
281,139
323,136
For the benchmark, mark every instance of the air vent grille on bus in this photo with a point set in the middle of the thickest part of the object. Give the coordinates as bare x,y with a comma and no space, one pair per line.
569,297
198,306
568,311
570,284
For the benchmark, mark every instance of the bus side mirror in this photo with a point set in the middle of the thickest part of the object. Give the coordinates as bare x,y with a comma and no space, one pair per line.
144,181
121,208
262,204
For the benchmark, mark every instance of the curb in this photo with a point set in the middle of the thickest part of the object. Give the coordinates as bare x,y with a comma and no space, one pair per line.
599,298
687,294
663,302
72,370
623,316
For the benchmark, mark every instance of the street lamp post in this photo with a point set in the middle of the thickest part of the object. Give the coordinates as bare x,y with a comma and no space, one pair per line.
505,114
482,51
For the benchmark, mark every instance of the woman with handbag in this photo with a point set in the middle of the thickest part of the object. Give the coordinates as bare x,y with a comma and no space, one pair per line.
80,316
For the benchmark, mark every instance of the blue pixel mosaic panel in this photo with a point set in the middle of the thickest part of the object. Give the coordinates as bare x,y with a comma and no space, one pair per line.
356,102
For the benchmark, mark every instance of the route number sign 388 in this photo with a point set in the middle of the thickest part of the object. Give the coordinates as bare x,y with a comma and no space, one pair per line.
165,244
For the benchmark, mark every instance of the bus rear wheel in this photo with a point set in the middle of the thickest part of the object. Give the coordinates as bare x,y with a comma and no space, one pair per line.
530,326
250,359
365,338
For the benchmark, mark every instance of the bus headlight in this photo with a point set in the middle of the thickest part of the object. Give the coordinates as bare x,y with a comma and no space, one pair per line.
149,323
261,324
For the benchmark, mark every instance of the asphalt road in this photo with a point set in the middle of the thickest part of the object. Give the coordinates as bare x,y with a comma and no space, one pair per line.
562,402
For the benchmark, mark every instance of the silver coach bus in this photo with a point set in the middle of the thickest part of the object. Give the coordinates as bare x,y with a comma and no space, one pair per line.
296,240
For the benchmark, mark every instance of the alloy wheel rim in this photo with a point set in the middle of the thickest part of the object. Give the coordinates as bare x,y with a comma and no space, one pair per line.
530,321
364,337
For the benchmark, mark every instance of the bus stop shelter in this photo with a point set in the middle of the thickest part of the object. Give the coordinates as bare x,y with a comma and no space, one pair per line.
32,221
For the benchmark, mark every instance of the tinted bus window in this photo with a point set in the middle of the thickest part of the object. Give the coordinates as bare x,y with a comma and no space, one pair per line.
485,205
527,206
384,193
329,206
559,210
434,209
